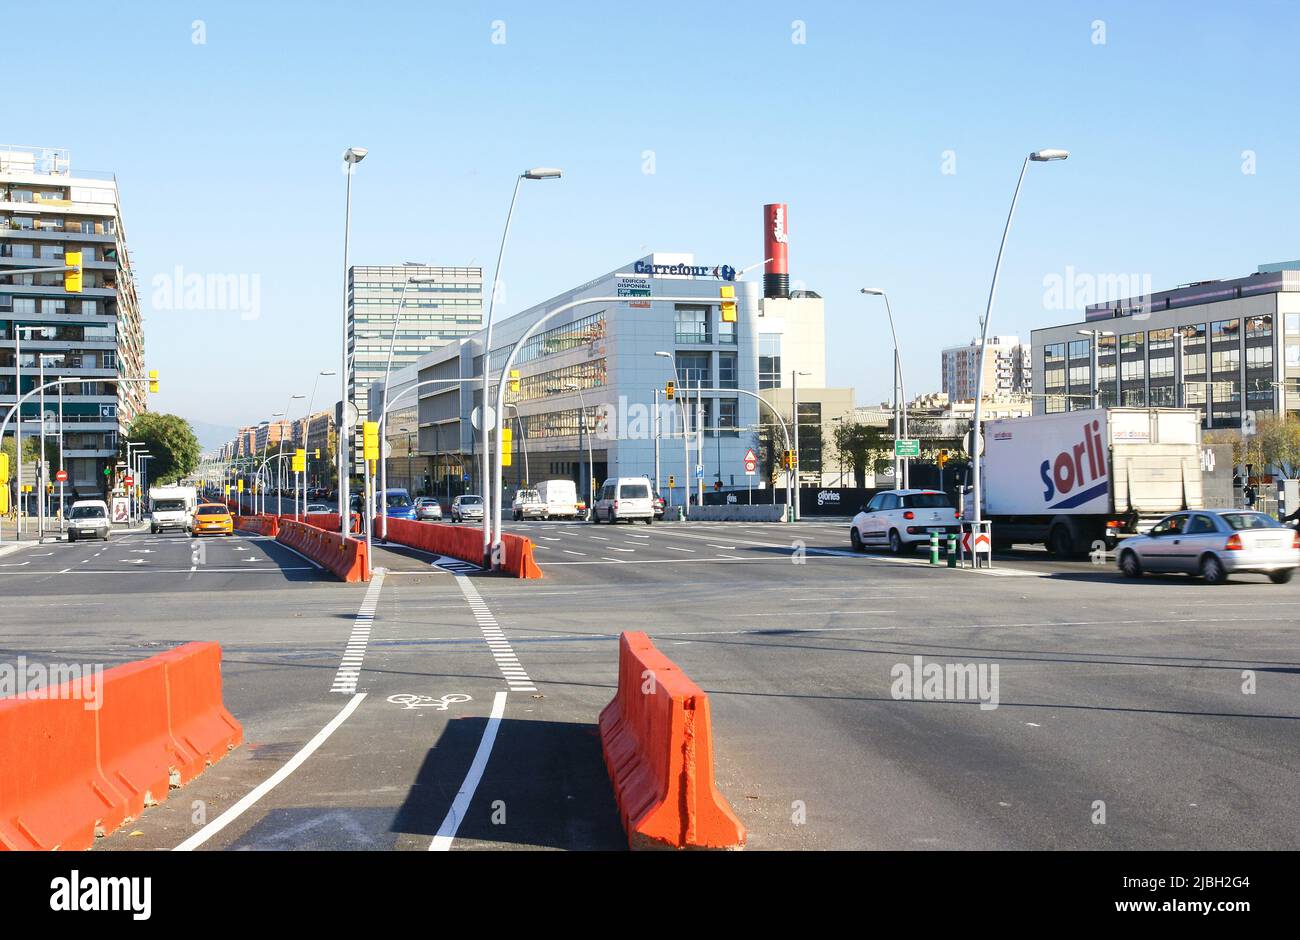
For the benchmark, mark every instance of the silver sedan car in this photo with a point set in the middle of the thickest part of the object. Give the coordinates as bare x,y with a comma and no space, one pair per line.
426,507
1214,543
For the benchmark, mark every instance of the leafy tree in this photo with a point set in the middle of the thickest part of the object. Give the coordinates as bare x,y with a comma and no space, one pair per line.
171,441
1278,441
865,446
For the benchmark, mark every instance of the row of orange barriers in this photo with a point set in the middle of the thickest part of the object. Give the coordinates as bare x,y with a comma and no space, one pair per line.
70,771
345,558
657,739
464,543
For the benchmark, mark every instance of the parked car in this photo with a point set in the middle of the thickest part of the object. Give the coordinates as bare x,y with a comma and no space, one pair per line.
464,508
659,505
561,499
528,504
88,519
428,509
316,508
625,498
900,520
1214,543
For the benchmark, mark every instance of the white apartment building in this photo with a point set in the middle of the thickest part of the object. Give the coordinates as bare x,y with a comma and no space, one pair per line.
1007,367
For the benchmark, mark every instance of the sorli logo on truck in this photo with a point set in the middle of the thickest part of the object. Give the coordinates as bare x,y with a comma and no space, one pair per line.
1078,474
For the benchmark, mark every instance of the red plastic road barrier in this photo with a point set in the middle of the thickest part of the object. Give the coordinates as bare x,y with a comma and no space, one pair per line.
261,524
345,558
658,743
68,772
462,542
329,521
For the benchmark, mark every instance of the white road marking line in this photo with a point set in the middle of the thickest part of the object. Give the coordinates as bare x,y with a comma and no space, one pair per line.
492,635
599,537
465,795
549,538
566,551
266,786
615,549
345,680
674,548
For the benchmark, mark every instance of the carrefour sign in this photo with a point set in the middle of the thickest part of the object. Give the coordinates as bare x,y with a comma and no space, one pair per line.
723,272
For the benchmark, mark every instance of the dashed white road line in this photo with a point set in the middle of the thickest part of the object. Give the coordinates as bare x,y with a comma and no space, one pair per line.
345,680
499,646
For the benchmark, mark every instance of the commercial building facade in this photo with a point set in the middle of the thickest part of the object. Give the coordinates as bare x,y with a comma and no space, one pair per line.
1230,349
438,304
95,335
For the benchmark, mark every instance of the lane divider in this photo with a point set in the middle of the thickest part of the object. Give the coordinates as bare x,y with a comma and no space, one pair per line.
511,669
345,680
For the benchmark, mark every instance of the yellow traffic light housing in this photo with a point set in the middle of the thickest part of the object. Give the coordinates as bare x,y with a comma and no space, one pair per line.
370,440
507,447
728,294
670,391
153,380
72,279
514,381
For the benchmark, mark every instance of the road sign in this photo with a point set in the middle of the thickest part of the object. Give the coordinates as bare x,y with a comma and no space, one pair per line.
699,471
751,462
345,417
907,447
128,481
476,418
61,476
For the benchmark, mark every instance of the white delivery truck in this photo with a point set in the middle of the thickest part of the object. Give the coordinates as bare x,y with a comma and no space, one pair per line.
1075,479
171,507
560,497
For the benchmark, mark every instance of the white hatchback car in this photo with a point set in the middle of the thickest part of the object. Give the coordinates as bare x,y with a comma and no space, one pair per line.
900,520
625,498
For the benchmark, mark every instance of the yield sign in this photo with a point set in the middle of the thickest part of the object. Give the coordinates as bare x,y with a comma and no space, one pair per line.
751,461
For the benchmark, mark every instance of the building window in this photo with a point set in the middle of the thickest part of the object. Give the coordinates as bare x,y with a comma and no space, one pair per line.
728,417
1259,357
1080,348
692,324
1293,324
1225,331
769,360
1131,343
1162,367
1160,339
1193,335
1053,352
726,333
694,368
1259,327
1133,370
727,370
1226,360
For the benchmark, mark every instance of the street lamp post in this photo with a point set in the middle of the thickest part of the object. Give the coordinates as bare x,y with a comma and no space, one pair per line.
352,156
794,395
1038,156
490,499
679,394
522,429
1095,336
306,434
902,475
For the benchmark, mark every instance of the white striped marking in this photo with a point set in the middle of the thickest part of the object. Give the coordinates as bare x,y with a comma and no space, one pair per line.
465,795
345,680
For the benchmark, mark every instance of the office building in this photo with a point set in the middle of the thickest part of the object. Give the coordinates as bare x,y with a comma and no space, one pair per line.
1007,369
46,210
1229,348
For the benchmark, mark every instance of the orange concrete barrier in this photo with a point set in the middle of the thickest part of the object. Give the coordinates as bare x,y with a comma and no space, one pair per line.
657,739
329,521
78,761
463,542
261,524
345,558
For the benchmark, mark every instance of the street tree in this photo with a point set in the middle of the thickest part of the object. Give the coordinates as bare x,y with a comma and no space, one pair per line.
171,441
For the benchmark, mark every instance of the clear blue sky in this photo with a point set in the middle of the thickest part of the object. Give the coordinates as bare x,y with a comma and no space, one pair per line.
227,154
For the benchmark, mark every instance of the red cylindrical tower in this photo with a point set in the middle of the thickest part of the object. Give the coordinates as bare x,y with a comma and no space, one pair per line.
776,273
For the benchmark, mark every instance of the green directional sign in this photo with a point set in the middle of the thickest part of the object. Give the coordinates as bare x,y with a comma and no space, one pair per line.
907,448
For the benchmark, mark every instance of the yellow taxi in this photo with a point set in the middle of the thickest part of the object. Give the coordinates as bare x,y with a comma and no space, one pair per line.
212,519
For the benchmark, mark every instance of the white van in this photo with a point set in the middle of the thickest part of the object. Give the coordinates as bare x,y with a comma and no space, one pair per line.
89,519
560,498
629,498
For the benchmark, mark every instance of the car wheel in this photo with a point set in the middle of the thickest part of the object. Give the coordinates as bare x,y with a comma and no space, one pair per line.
1129,565
855,539
1212,570
650,521
895,542
1281,576
71,537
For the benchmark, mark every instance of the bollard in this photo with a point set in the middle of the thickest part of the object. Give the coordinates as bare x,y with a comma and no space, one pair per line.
934,548
952,551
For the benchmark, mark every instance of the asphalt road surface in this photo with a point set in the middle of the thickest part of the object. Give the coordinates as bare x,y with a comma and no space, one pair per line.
1161,713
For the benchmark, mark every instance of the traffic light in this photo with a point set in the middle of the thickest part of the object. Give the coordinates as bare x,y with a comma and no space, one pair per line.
670,390
942,458
370,440
153,380
507,447
514,381
788,461
4,483
72,279
728,294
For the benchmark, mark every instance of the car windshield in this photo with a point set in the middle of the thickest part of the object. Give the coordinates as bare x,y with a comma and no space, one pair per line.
927,501
1250,520
168,505
471,500
634,491
212,511
398,500
87,512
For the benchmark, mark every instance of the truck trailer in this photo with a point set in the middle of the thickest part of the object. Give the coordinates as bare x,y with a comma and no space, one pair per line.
1081,479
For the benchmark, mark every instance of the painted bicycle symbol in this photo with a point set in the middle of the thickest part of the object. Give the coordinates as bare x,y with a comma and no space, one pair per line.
411,700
